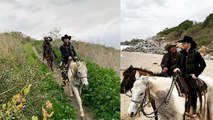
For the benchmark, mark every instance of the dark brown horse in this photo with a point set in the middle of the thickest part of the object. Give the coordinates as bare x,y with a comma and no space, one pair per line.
49,56
129,79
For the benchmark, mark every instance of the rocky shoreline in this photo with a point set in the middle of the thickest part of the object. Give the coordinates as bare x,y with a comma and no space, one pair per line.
151,45
146,46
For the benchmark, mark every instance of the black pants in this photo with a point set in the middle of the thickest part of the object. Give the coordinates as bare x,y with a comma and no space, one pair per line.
64,69
192,85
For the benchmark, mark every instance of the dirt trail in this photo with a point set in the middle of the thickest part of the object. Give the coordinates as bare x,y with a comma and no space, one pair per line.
57,77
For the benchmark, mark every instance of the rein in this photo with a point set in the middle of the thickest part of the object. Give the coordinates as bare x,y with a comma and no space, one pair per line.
147,94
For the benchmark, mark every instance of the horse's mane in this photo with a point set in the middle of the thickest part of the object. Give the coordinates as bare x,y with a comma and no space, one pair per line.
74,68
75,65
149,71
131,68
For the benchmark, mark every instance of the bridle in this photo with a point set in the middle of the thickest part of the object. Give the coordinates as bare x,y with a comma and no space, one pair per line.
78,77
147,95
81,78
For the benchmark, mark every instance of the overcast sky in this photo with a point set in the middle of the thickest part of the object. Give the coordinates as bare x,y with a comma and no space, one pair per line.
96,21
145,18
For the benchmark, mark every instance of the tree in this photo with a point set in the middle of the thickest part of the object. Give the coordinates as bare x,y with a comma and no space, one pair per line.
55,33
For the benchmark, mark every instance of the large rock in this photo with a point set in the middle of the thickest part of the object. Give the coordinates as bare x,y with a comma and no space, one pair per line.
132,42
211,57
203,50
146,46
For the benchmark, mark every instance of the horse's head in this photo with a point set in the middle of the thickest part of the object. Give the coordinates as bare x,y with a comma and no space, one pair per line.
138,94
82,73
128,80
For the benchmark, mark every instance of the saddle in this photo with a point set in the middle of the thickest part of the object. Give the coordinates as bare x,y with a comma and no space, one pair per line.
183,88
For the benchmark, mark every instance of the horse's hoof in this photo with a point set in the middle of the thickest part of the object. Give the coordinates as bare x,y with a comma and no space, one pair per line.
83,118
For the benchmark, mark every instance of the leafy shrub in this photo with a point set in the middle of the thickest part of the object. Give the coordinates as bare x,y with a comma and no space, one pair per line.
208,22
194,29
203,40
103,92
13,108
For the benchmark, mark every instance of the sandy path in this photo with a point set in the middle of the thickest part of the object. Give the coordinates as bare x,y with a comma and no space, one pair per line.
146,61
57,77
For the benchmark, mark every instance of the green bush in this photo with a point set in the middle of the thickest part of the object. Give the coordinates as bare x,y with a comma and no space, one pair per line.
208,21
194,29
203,40
103,92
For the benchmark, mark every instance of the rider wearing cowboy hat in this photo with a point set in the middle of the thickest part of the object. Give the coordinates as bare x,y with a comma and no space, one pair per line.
67,53
191,66
46,43
170,60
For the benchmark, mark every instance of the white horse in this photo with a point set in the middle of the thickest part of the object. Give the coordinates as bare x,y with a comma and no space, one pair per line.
77,75
158,88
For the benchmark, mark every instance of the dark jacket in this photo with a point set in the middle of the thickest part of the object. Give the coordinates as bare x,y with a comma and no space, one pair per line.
171,61
191,63
67,50
45,44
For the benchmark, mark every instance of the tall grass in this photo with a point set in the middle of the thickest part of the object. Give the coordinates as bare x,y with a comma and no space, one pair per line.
20,67
101,55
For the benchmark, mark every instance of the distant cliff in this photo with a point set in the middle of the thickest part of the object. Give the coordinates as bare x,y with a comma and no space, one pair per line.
202,32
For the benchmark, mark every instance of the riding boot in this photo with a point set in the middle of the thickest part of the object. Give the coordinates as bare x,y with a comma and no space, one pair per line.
43,55
188,104
187,108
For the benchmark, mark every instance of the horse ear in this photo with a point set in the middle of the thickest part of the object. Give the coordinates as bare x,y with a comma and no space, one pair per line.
137,75
130,67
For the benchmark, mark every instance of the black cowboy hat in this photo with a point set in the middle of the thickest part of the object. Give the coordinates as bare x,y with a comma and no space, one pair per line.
65,36
48,38
188,40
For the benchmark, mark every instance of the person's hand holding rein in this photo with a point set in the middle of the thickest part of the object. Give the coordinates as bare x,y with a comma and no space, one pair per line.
194,76
176,70
70,58
165,69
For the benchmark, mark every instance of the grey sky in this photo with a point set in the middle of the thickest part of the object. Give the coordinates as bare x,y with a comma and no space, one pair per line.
145,18
97,21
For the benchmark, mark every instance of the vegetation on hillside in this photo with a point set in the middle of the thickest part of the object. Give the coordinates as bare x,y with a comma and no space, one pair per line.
202,32
19,67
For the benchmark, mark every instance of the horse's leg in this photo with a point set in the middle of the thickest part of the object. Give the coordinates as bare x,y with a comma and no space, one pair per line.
69,82
70,88
51,65
80,89
154,108
75,90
